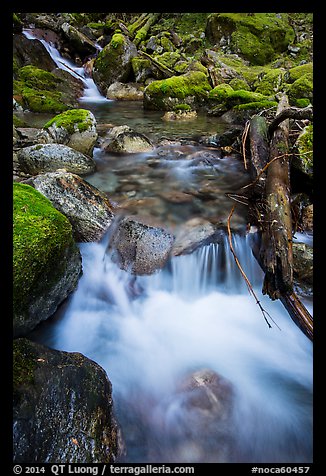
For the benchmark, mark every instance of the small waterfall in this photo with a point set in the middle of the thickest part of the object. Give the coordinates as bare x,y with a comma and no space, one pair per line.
91,92
195,313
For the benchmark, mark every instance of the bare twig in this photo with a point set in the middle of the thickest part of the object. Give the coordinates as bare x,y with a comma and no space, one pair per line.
250,288
243,143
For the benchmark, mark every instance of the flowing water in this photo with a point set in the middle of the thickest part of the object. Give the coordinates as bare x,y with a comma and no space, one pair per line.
152,333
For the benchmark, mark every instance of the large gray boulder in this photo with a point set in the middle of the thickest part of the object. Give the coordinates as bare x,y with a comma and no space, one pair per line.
88,210
63,409
46,261
139,248
50,157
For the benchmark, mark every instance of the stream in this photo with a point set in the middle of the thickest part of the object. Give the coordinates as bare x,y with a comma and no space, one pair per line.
194,315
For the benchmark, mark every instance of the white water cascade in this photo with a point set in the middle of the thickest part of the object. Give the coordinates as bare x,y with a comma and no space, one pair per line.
91,92
196,313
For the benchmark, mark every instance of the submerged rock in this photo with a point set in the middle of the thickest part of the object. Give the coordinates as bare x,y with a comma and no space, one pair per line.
139,248
88,210
125,139
46,260
50,157
199,418
63,409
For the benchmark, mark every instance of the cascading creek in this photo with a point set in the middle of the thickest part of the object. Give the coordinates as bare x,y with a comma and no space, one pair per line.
91,92
197,374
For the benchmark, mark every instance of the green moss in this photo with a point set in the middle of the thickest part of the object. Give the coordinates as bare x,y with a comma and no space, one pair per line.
24,364
36,90
235,98
256,37
18,122
117,40
168,59
37,78
221,92
40,235
182,107
305,148
301,88
167,44
298,71
302,102
190,84
271,82
256,106
71,120
237,83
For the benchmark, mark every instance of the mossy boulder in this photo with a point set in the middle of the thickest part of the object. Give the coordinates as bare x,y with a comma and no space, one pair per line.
75,128
191,88
223,98
270,82
141,68
304,145
41,91
68,397
301,85
113,63
257,37
46,260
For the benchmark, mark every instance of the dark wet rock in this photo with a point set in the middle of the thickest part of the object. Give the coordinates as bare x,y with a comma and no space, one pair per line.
63,409
139,248
125,139
27,52
125,92
192,234
47,262
88,210
78,41
40,158
225,139
303,262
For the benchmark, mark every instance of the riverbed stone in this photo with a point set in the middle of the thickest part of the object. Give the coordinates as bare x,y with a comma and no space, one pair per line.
75,128
88,209
41,158
203,404
46,260
139,248
125,139
192,234
125,92
63,408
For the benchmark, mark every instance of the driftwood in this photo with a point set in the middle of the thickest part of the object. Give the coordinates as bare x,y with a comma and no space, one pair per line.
269,194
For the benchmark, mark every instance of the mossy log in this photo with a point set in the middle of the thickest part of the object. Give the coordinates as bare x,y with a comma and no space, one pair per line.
167,72
270,195
143,31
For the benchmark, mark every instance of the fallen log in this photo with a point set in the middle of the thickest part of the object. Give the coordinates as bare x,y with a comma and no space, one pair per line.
290,113
143,31
270,199
167,72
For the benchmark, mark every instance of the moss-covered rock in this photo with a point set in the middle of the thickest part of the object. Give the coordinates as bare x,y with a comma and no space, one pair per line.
221,92
270,82
302,88
257,37
75,128
298,71
41,91
191,88
141,68
238,83
304,144
69,397
114,62
46,261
